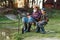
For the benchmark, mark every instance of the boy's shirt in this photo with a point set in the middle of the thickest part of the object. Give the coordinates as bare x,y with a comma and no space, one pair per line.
44,17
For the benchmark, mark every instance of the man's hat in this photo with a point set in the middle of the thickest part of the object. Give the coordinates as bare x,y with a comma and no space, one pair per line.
43,9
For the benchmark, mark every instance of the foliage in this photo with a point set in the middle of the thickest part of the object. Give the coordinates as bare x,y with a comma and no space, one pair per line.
53,13
17,36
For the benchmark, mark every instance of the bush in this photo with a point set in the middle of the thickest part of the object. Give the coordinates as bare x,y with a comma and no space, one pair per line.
17,36
53,13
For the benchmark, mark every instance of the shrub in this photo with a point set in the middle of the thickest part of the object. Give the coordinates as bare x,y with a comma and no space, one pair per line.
17,36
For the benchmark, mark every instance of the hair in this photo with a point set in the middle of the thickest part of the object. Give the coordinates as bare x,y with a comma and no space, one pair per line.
36,6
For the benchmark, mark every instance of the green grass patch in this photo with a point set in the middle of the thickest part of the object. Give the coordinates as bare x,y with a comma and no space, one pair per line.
5,22
52,30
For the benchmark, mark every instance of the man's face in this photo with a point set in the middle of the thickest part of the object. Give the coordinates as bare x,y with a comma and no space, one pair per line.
35,10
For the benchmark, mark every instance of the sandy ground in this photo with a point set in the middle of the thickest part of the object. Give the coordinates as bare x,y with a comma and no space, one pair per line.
32,38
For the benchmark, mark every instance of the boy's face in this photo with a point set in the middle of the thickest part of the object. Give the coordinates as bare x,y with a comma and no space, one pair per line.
43,12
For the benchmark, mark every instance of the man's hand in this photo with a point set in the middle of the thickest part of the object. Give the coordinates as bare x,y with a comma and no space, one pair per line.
28,16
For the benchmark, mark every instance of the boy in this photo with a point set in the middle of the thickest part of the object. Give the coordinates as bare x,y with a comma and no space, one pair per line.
43,21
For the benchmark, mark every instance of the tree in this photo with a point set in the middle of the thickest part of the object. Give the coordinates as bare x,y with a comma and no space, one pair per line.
10,3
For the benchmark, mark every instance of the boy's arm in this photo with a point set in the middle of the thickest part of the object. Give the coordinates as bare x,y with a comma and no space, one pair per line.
47,19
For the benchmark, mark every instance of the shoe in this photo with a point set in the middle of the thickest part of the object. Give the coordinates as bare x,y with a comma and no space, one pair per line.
43,32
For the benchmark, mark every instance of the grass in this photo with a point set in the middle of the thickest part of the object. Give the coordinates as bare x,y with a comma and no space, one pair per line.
5,22
52,30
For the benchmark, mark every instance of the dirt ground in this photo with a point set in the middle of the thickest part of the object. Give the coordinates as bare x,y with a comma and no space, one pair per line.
36,38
